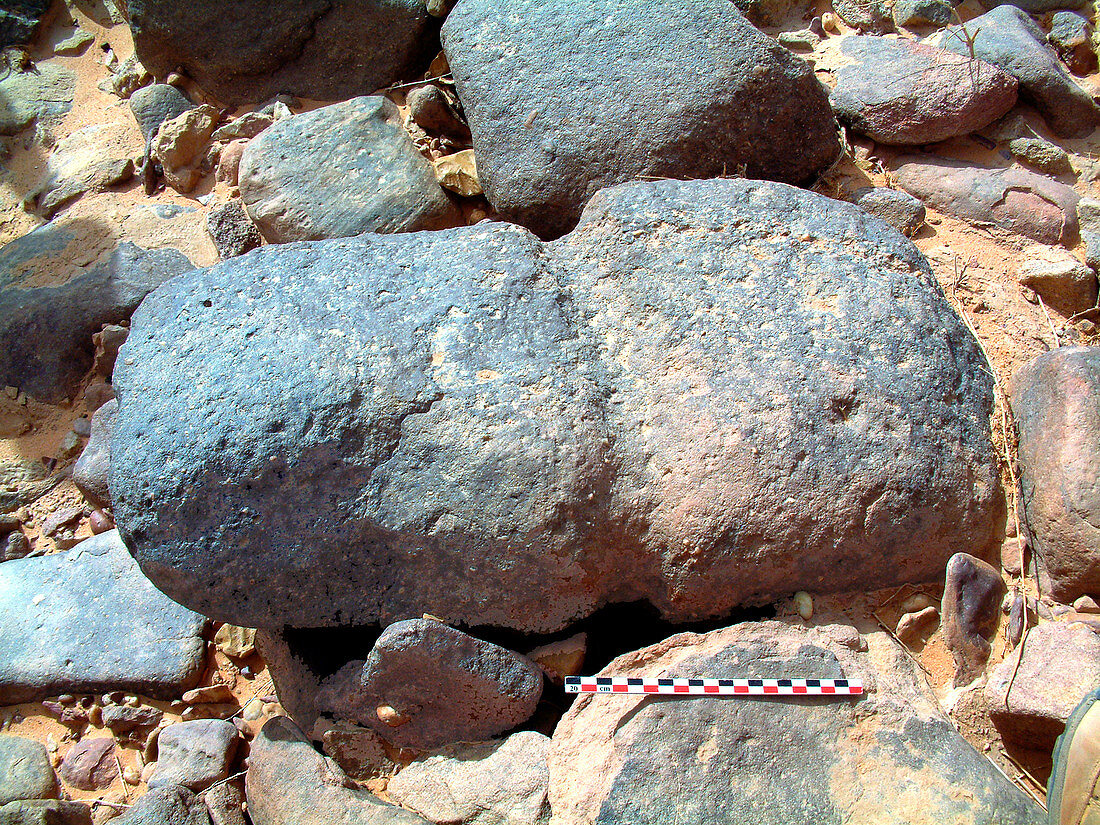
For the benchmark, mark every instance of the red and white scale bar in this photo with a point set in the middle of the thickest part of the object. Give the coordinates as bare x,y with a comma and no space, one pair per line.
713,687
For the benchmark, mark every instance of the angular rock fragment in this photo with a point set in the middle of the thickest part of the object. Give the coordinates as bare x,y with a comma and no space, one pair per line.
640,760
742,104
338,171
712,393
90,764
1033,691
289,783
1020,201
46,331
313,48
45,812
479,784
899,209
44,95
1066,284
180,146
1012,41
437,684
969,613
231,230
1072,37
1056,399
901,92
87,621
195,754
153,105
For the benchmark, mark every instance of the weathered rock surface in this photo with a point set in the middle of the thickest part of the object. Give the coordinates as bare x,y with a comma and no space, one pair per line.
431,110
1065,283
153,105
195,754
866,16
899,209
742,103
322,49
289,783
1037,6
173,805
338,171
970,612
1049,674
912,13
21,482
440,415
488,783
1014,198
44,95
1071,36
25,771
902,92
46,331
19,21
439,686
86,621
888,757
90,764
91,471
45,812
88,160
1056,399
232,230
179,146
1012,41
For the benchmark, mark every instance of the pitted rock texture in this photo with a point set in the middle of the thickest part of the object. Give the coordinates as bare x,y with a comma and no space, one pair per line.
1056,399
338,171
249,50
890,757
741,101
710,394
905,93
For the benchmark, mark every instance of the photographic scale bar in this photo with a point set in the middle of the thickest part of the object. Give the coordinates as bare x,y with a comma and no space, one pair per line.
713,687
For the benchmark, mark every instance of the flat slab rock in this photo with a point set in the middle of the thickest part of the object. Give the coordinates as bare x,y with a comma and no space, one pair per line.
742,101
1056,399
87,621
321,49
338,171
902,92
889,758
1013,198
1032,693
711,393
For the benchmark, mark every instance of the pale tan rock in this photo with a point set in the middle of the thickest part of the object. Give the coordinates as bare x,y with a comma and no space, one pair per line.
458,173
180,146
562,658
234,641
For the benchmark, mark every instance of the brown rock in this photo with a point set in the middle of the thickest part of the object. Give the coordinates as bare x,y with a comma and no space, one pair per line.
360,752
912,625
211,694
1056,399
458,173
229,162
431,110
1049,673
1086,604
90,764
1064,283
1024,202
107,342
970,612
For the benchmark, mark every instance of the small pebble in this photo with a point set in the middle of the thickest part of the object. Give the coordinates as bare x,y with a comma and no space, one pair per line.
131,775
82,427
804,605
1086,604
270,708
391,716
253,711
147,772
100,522
132,701
828,22
95,715
66,699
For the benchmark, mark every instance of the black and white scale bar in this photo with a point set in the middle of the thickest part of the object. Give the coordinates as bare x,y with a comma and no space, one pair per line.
713,687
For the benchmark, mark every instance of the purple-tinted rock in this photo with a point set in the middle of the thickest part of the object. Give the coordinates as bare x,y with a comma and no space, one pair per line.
1056,399
90,764
902,92
93,467
1018,200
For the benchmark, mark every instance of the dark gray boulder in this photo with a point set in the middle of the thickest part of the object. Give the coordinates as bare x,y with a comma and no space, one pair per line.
249,50
426,684
1009,39
87,621
289,783
890,757
901,92
19,20
172,805
152,105
911,13
46,331
1036,7
658,88
25,771
46,812
711,393
338,171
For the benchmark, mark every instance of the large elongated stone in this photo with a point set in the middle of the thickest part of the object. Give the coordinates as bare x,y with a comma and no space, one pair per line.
709,394
87,621
656,88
